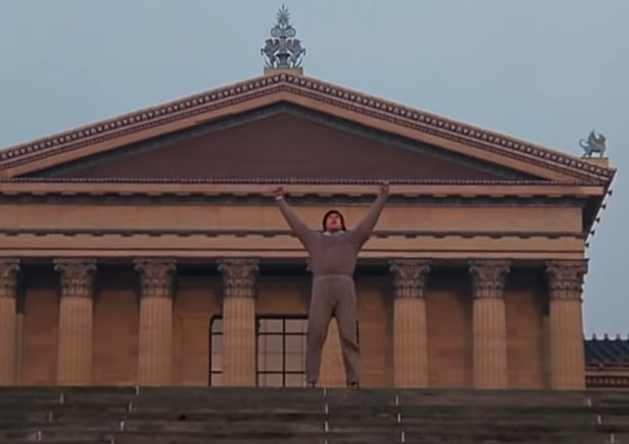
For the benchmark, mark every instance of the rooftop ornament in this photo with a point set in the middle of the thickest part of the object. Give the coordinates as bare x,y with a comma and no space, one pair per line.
283,50
595,143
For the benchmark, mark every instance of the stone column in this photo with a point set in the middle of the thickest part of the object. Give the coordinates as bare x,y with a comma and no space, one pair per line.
9,269
19,341
489,323
156,321
74,354
567,359
410,335
239,322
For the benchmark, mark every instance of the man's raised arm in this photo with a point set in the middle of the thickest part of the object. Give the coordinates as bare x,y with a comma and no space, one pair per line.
304,233
360,234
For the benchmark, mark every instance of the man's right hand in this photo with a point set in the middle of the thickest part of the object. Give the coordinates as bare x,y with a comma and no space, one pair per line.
278,193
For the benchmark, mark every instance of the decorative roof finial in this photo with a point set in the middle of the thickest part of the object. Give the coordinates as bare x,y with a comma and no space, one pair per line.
283,50
595,143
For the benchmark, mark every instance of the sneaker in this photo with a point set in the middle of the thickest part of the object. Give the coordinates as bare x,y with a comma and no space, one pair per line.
353,385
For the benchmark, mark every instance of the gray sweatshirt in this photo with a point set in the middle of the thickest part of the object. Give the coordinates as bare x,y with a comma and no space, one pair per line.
334,253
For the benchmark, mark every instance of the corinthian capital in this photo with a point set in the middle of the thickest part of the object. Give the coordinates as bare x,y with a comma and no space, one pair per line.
156,276
488,277
409,277
565,278
76,276
239,276
9,269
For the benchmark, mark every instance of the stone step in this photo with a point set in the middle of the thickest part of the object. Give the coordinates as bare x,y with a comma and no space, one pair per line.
45,412
89,441
500,411
538,422
217,429
174,415
129,439
142,439
191,415
515,437
493,411
16,416
489,398
348,435
610,399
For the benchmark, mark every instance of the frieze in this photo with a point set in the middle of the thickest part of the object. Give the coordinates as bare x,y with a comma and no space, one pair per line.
156,276
239,276
69,232
488,277
565,278
294,181
9,269
313,89
76,276
178,198
409,277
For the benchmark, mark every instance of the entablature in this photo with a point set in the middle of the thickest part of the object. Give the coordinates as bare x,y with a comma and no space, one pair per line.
301,188
285,245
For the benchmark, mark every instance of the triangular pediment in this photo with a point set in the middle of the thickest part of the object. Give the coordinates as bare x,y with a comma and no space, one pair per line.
286,126
282,141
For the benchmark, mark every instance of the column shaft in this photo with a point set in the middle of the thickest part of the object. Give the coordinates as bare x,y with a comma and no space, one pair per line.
155,353
567,356
489,324
19,344
410,333
239,322
410,343
8,288
74,355
155,341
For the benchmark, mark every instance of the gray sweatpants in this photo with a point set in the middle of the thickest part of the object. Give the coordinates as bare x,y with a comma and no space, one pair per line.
332,295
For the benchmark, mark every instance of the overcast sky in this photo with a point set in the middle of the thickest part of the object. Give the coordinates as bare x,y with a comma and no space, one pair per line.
544,70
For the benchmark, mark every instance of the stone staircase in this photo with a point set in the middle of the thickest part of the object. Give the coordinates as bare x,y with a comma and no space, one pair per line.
127,415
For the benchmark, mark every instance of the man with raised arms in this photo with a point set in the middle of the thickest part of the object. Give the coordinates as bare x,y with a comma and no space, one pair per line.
333,252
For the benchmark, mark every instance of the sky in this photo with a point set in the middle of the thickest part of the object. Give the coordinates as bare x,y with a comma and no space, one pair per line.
548,71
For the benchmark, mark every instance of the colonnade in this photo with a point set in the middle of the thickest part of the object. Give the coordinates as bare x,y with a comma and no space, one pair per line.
410,336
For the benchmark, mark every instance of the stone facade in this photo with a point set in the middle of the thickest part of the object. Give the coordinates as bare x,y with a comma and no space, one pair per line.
124,244
426,332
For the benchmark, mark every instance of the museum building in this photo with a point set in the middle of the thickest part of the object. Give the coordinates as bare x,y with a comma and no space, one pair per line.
146,249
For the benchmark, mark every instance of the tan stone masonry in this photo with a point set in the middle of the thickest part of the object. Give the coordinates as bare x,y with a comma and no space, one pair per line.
9,269
74,357
156,322
239,309
489,323
567,365
410,336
